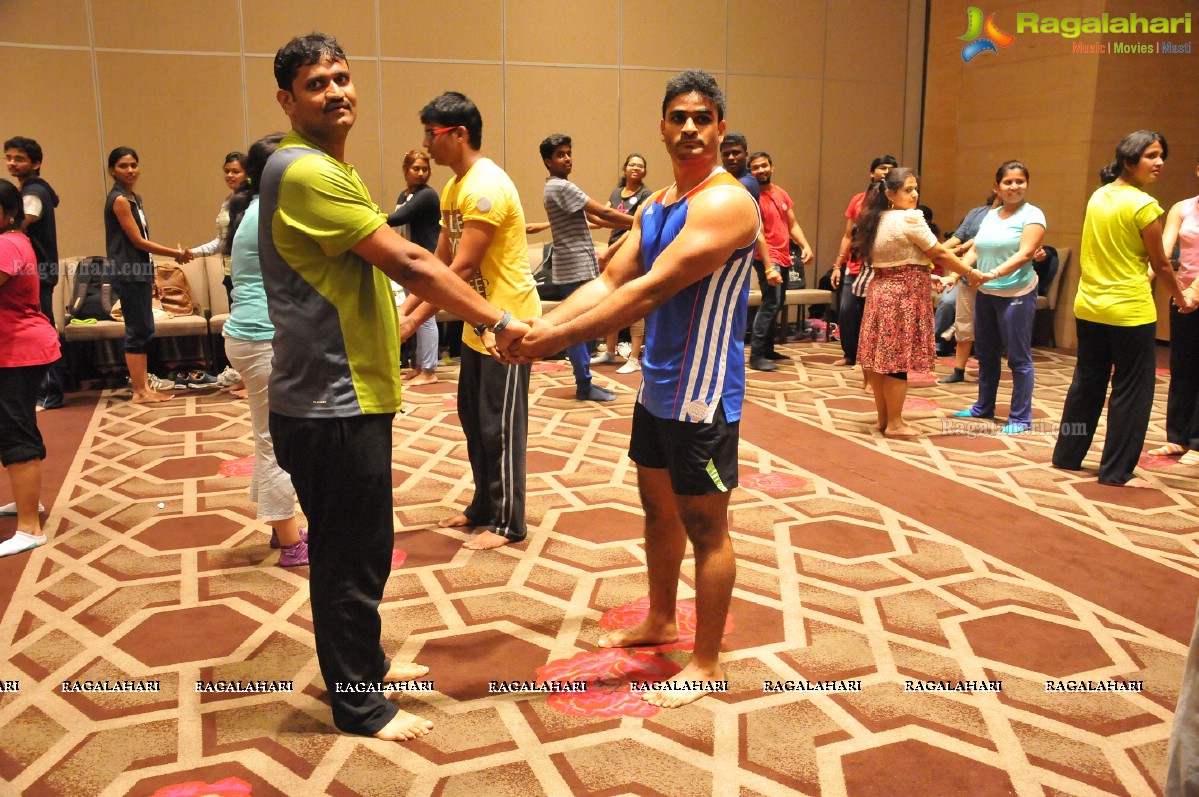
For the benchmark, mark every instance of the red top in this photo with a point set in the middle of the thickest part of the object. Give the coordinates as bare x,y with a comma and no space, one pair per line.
29,337
774,204
852,264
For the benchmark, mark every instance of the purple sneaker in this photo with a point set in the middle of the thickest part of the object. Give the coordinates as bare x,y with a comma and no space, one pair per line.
275,538
294,555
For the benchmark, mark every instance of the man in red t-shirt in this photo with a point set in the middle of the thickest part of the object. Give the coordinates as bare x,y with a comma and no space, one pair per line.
848,265
780,228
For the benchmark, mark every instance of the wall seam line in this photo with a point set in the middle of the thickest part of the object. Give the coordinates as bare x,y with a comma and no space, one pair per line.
91,40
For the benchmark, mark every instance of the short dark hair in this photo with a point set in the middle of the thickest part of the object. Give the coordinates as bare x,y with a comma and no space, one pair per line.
10,202
734,140
236,157
759,154
119,153
885,159
31,148
698,81
455,109
551,144
305,51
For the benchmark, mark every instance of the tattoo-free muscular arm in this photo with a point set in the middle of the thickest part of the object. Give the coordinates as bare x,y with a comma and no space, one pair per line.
719,221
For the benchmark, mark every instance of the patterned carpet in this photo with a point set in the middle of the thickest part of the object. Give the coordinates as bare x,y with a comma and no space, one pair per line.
863,564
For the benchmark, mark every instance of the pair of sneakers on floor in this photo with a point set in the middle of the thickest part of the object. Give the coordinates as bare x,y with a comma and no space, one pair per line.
624,349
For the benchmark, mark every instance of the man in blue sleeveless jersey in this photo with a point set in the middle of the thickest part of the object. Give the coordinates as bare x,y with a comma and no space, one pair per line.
685,269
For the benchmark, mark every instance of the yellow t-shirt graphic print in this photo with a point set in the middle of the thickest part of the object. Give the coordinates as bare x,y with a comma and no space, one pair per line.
485,193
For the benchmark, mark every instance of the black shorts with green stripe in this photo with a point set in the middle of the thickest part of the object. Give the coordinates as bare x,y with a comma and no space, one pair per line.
700,457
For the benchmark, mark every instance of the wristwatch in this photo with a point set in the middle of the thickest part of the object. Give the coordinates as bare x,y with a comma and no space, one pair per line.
497,327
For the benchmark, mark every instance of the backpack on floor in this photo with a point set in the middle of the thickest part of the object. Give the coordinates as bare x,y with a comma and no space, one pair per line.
94,295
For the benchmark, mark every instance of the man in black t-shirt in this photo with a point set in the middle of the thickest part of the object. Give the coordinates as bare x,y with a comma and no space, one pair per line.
23,156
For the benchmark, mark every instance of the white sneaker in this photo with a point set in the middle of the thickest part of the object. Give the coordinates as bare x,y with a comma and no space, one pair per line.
624,349
633,365
603,358
20,542
11,509
228,378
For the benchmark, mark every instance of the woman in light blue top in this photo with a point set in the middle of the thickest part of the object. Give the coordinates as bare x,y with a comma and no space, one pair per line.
1007,300
248,334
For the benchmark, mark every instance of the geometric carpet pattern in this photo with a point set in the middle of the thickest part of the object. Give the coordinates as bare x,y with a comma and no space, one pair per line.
867,566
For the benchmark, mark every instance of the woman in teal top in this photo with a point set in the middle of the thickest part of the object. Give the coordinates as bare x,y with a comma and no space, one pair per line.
1115,315
1007,301
248,334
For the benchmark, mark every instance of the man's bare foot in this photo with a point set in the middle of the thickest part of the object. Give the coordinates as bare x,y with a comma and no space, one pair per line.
151,397
404,727
486,541
239,392
405,671
459,520
840,361
409,375
423,379
1135,481
644,633
902,431
687,691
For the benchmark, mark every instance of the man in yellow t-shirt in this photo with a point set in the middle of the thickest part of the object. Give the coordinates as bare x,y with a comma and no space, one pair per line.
483,241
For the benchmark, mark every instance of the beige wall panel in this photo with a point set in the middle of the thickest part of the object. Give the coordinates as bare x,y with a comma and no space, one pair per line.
784,38
262,109
45,22
270,24
675,35
204,25
782,116
640,123
562,31
465,30
852,134
583,107
181,163
865,108
71,152
407,87
867,39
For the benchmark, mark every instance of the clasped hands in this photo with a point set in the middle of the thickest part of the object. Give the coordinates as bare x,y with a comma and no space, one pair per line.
1192,301
522,342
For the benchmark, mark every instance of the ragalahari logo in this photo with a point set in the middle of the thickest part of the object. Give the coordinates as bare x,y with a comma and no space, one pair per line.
982,37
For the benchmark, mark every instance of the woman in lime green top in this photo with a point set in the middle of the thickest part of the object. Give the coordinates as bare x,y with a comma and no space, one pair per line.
1116,317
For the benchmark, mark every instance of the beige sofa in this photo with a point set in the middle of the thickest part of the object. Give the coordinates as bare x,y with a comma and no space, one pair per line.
177,326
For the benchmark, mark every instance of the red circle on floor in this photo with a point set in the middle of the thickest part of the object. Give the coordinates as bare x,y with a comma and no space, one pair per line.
920,405
772,482
1153,461
238,467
